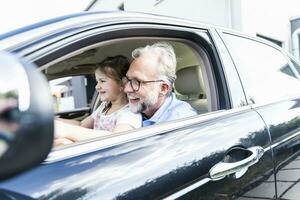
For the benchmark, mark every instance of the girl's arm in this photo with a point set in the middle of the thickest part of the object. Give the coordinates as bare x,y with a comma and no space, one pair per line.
76,133
88,122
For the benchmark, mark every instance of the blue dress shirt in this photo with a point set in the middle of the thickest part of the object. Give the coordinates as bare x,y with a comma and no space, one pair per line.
171,109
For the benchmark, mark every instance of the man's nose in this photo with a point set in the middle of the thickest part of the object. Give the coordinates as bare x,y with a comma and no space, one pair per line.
127,88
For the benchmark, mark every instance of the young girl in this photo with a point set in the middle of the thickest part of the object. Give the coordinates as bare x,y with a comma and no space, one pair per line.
113,115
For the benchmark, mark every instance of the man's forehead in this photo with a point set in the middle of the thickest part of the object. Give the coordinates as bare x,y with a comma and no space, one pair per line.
144,66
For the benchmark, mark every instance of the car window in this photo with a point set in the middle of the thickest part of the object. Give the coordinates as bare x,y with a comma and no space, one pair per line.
264,71
195,83
296,65
72,92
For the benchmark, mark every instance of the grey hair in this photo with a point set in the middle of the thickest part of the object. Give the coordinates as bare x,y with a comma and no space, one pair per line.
166,59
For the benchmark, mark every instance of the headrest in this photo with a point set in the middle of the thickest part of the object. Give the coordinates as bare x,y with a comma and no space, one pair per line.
189,81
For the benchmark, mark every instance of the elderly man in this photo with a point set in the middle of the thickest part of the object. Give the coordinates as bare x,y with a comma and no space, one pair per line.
148,84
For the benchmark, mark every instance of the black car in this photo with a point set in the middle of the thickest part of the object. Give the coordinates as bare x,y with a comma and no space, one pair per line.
245,89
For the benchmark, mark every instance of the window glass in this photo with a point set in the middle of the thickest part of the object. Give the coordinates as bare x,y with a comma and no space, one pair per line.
264,71
287,70
71,92
296,65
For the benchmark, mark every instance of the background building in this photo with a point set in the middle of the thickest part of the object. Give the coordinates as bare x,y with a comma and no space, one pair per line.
268,19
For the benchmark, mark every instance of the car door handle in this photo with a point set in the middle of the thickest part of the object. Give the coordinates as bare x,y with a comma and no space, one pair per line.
239,168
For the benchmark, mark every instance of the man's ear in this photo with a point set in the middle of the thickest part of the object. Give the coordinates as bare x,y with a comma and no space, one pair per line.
164,89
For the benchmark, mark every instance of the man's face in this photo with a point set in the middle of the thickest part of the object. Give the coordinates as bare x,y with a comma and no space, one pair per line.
145,99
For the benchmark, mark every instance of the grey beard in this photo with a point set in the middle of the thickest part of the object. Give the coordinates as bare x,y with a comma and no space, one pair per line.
143,107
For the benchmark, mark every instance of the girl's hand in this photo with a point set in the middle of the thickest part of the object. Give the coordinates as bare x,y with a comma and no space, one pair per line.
60,129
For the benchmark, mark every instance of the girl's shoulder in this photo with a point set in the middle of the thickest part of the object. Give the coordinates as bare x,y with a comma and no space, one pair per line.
127,111
126,116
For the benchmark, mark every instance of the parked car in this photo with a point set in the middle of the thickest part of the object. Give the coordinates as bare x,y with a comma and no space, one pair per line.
245,89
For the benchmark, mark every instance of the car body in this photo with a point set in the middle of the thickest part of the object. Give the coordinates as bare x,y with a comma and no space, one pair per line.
247,95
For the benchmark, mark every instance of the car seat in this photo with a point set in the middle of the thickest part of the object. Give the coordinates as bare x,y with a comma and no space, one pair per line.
189,87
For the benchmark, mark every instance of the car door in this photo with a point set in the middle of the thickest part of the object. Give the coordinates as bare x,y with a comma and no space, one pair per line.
168,160
219,155
273,88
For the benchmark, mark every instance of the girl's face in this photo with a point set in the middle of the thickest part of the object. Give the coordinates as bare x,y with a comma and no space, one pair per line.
108,88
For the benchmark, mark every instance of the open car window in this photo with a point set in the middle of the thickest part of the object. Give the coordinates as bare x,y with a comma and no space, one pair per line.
74,73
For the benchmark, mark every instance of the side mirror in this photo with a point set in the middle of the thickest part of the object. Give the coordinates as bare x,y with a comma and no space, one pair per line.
26,116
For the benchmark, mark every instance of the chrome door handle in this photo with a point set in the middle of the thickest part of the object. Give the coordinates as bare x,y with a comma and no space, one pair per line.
236,169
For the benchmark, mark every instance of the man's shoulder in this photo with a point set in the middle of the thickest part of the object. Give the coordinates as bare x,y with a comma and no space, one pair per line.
175,102
181,108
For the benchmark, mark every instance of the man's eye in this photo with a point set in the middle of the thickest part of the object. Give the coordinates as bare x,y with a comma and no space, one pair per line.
135,81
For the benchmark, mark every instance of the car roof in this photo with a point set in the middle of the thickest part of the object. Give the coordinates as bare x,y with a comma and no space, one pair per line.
84,19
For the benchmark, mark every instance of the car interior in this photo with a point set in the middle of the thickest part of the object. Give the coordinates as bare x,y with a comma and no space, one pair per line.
194,83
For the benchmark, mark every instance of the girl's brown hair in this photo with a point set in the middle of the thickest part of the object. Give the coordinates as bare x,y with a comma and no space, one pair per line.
114,67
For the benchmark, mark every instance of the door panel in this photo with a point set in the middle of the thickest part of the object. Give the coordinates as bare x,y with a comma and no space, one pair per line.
283,120
157,166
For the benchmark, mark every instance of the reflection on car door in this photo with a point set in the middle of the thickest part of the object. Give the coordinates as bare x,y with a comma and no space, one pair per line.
283,120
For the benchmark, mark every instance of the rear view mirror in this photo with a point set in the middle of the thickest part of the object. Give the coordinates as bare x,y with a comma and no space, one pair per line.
26,116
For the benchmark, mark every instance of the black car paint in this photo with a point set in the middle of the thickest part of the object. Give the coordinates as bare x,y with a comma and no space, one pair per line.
283,129
157,166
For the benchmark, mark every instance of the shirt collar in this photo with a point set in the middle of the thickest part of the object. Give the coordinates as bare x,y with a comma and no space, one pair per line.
159,113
